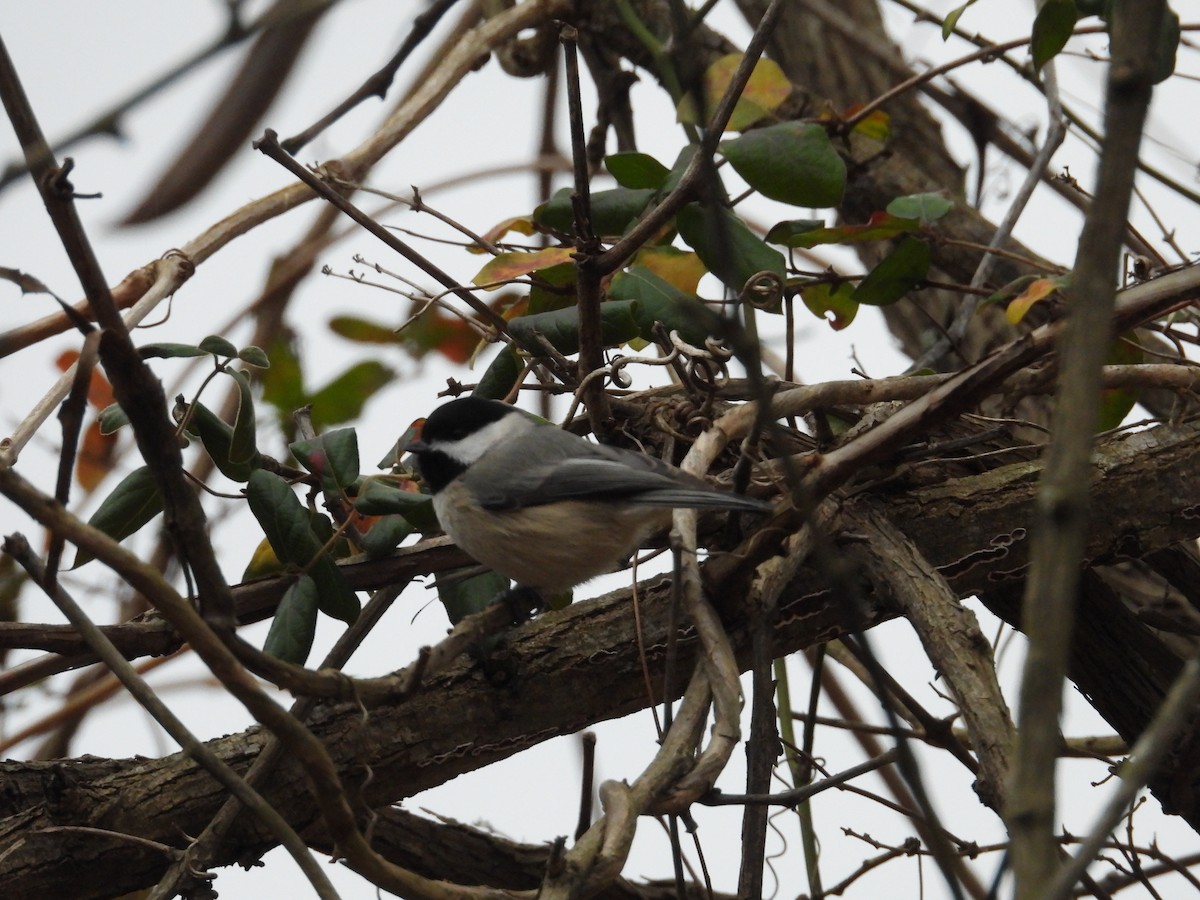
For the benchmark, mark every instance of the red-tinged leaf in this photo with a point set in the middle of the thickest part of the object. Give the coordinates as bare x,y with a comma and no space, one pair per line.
636,170
786,232
100,393
363,331
765,91
382,534
507,266
677,267
132,503
519,224
881,226
899,272
94,460
1035,292
833,303
790,162
332,456
382,497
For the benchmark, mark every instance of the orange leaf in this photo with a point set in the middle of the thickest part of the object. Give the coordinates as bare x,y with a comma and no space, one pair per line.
95,458
100,392
519,224
508,266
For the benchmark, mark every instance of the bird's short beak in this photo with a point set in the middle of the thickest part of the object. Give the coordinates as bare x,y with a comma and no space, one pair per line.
417,446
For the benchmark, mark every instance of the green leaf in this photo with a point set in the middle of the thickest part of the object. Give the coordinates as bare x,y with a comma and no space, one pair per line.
218,346
283,383
168,350
379,497
295,623
111,418
289,530
132,503
1115,403
553,288
788,231
333,457
636,170
464,596
1052,28
342,399
657,300
731,251
363,331
901,270
1168,47
243,442
217,437
834,304
254,356
612,210
790,162
952,18
561,328
385,534
880,226
499,377
925,207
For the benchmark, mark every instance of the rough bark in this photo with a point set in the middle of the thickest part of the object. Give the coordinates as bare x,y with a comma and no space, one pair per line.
560,657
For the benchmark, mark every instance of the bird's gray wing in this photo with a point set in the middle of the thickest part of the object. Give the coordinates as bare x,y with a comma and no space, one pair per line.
563,467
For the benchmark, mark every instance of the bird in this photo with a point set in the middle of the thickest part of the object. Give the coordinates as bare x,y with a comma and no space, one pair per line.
543,507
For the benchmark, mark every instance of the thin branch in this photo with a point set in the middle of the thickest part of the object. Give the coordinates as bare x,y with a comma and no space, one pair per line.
1063,500
18,547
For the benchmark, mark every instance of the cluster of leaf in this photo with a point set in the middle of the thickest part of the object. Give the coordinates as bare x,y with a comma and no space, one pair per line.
376,514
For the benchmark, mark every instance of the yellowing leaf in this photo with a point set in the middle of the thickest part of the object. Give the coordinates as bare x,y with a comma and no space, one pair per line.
519,224
263,562
765,90
1035,292
508,266
876,125
674,266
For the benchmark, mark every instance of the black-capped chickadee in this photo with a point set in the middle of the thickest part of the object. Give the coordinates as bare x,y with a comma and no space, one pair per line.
542,506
